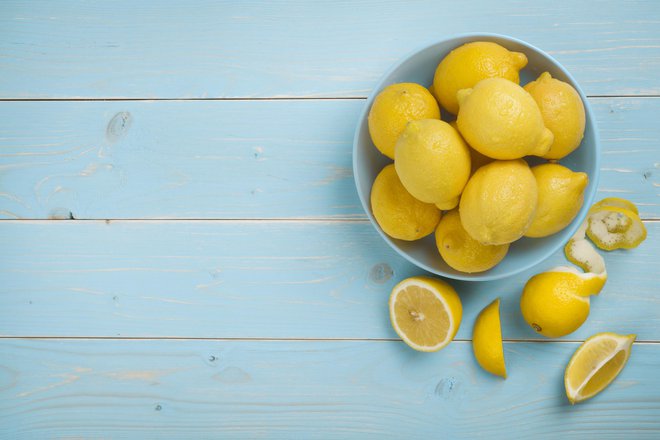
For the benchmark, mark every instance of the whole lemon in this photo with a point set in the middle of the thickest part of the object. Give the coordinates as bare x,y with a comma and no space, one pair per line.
556,303
468,64
501,120
561,194
562,111
433,162
477,159
399,214
462,252
499,201
393,108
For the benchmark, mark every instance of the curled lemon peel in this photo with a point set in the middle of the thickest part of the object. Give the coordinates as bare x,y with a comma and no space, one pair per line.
611,223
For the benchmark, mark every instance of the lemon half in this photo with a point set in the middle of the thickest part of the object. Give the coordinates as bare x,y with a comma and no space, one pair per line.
425,312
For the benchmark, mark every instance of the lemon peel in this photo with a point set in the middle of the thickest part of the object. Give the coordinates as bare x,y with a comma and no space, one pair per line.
611,223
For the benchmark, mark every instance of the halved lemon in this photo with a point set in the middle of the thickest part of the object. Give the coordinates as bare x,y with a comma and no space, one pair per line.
425,312
487,340
595,364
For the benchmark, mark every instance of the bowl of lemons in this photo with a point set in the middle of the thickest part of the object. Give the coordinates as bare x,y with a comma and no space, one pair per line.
476,157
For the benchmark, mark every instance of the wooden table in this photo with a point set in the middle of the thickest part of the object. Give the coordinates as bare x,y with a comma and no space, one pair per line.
184,254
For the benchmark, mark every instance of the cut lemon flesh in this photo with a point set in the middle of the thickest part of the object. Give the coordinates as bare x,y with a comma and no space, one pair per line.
425,312
595,364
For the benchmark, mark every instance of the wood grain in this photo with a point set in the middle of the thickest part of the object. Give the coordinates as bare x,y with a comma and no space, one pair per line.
329,390
201,49
259,279
238,159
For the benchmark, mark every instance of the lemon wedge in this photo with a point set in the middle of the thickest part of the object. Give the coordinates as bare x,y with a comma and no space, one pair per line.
425,312
487,340
595,364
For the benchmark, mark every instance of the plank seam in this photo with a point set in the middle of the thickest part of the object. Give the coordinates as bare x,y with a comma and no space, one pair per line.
267,339
264,98
215,220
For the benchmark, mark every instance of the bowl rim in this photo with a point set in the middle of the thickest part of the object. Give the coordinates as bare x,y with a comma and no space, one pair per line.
571,228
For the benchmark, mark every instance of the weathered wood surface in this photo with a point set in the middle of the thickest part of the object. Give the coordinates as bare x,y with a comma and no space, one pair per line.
309,389
205,49
236,159
268,317
259,279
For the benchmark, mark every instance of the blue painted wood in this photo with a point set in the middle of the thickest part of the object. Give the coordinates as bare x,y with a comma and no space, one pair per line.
259,279
238,159
324,390
65,49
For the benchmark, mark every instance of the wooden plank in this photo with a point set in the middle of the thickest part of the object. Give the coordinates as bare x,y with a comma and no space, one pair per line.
57,49
330,390
258,279
235,160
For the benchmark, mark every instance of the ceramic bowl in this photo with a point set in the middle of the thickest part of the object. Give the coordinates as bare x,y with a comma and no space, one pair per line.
419,67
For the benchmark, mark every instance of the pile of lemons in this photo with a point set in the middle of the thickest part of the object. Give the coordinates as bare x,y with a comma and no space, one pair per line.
472,169
467,181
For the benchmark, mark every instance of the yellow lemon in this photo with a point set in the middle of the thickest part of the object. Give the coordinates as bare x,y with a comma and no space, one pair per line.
563,113
499,201
399,214
393,108
556,303
468,64
561,194
477,160
433,162
462,252
425,312
501,120
487,340
595,364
